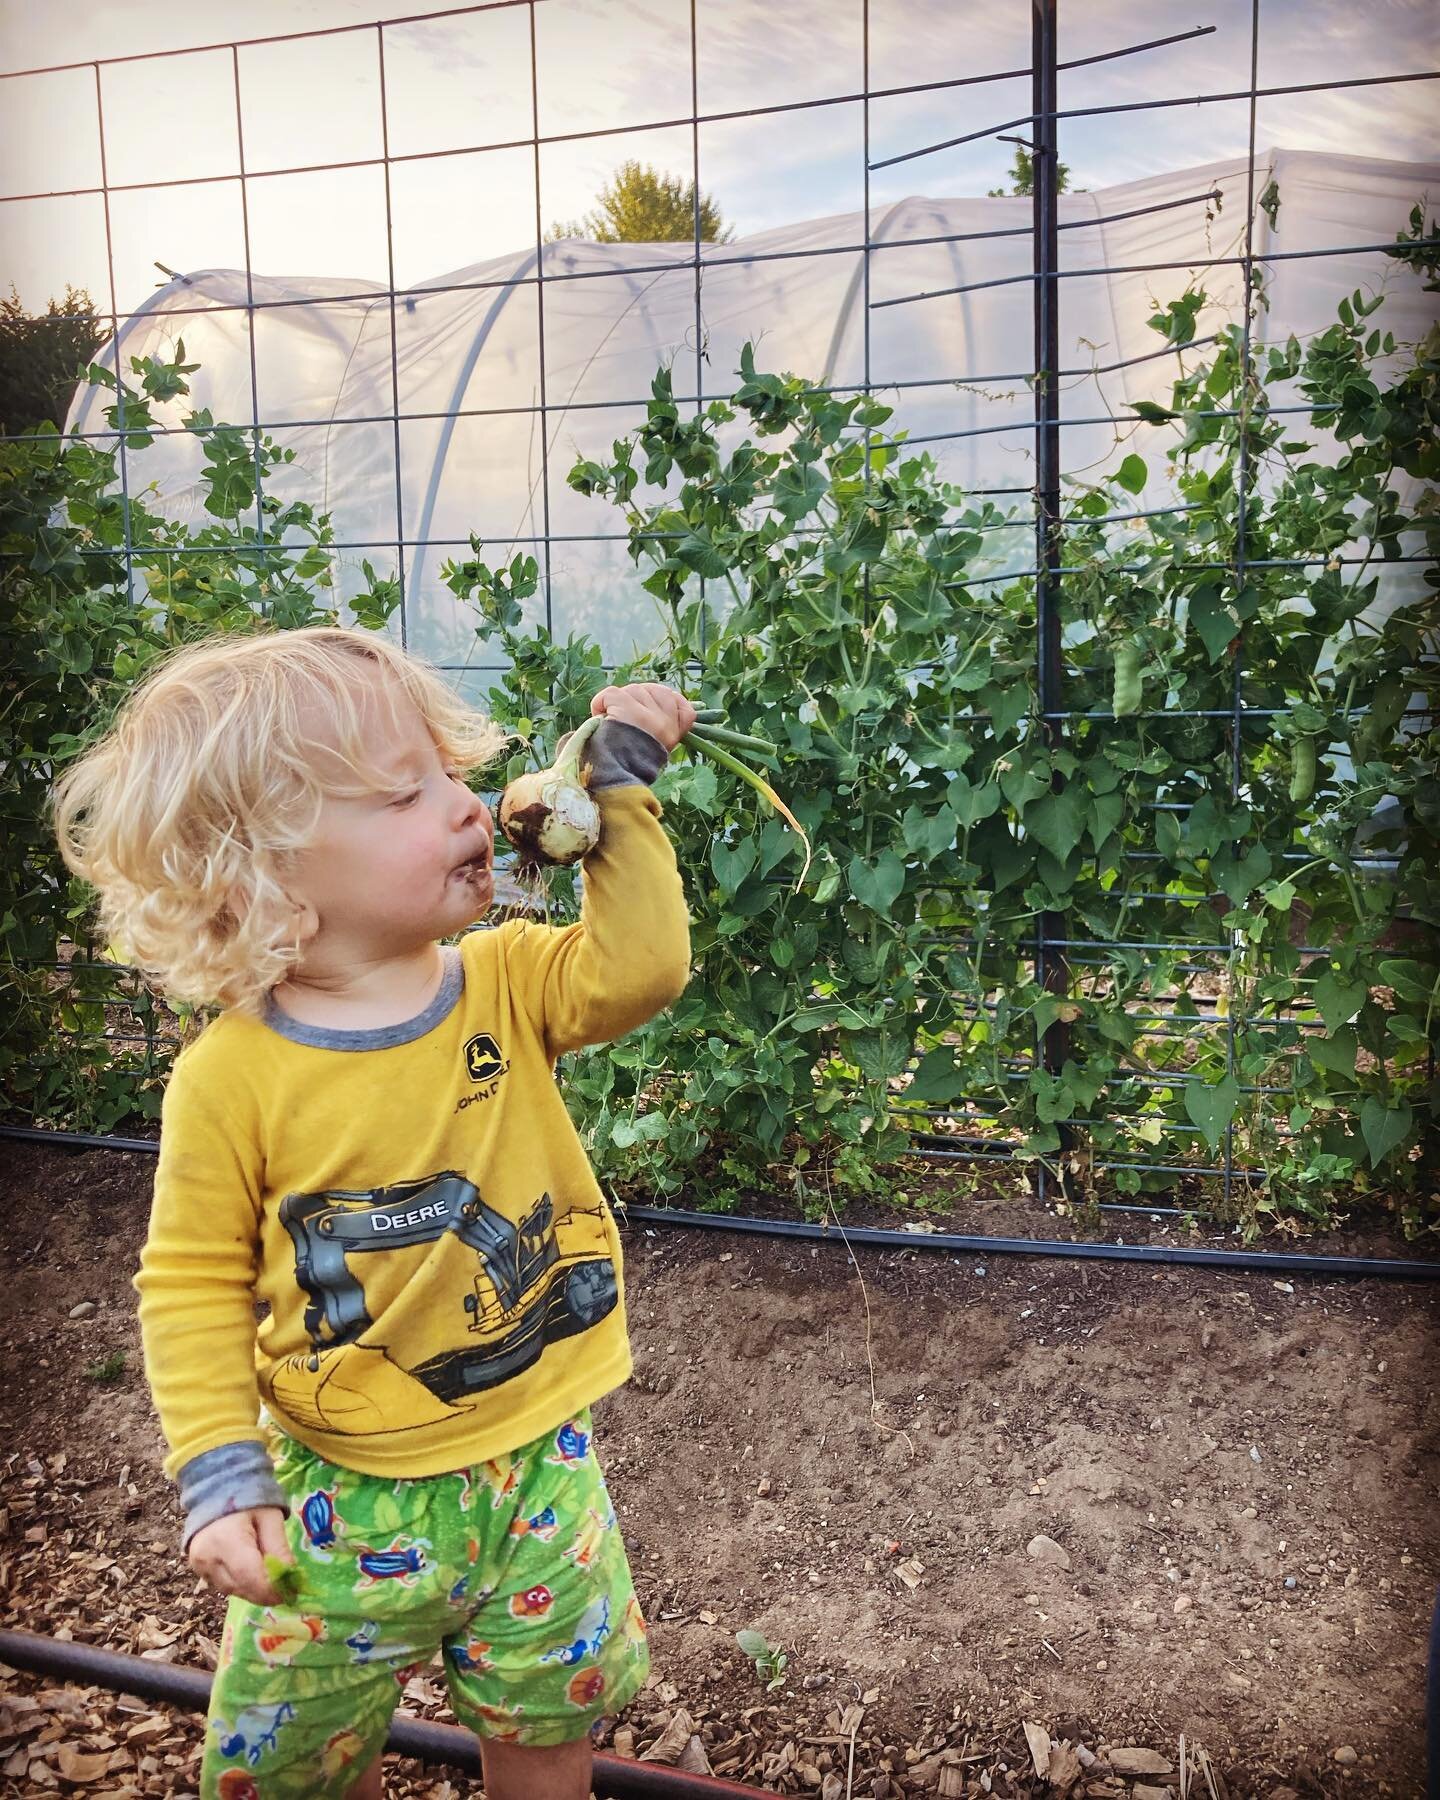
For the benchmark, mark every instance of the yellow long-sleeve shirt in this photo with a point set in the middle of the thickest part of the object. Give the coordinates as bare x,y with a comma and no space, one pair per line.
413,1207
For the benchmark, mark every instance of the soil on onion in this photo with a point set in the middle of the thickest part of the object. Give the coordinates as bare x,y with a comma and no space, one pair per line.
853,1454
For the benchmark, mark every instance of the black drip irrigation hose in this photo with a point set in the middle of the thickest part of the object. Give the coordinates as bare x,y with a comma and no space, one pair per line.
1257,1262
77,1140
615,1777
1263,1262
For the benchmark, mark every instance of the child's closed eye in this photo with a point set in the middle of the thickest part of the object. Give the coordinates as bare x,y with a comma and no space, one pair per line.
400,801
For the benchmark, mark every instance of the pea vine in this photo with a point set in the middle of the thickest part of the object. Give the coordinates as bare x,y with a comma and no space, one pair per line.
1252,957
1244,975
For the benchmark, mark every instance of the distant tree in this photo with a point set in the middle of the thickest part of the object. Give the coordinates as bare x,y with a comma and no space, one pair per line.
42,357
1022,175
639,205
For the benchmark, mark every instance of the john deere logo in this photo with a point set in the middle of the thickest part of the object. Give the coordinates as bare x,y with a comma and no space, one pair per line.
483,1060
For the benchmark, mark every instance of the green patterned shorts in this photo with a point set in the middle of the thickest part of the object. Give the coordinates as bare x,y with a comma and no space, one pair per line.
514,1570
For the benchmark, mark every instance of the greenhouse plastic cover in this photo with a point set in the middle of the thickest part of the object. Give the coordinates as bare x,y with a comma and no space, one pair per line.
326,386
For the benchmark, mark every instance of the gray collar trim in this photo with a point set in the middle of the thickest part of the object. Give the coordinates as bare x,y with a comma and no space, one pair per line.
382,1037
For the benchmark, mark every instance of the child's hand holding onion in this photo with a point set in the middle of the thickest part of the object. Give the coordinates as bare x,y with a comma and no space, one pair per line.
660,710
551,818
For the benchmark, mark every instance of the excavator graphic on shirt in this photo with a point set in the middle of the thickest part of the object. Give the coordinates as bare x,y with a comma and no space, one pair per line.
524,1291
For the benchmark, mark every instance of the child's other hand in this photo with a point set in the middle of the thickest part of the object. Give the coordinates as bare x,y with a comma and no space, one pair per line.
230,1553
662,711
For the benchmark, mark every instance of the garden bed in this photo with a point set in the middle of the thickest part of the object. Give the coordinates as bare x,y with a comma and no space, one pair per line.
1238,1472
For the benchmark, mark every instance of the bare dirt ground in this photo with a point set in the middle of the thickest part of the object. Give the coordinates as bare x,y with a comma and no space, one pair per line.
855,1457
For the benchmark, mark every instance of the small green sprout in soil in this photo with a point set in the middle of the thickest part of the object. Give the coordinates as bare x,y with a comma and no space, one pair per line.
769,1662
108,1370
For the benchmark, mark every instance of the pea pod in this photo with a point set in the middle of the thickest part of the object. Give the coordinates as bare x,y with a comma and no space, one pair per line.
1303,768
1380,721
1125,698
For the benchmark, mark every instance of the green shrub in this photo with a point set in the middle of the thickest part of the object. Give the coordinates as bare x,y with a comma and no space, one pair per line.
84,1045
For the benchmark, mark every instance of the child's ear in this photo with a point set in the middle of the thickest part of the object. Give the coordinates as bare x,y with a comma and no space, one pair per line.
307,923
304,921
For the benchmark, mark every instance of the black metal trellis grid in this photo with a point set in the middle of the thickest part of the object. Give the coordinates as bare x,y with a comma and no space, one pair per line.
1052,945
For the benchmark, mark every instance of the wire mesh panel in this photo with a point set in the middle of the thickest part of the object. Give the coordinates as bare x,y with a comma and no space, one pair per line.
977,213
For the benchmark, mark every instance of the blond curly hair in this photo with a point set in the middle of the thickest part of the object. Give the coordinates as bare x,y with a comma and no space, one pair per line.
184,815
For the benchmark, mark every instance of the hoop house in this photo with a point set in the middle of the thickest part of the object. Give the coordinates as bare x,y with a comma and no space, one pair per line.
496,380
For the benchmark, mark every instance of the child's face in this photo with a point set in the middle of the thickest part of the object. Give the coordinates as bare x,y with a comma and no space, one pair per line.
390,871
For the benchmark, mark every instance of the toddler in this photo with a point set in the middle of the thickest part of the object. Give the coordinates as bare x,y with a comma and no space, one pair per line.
369,1141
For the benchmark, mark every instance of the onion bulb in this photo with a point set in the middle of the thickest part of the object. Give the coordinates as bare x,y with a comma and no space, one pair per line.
549,816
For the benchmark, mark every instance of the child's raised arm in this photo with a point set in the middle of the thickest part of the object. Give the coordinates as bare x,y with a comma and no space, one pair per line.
629,956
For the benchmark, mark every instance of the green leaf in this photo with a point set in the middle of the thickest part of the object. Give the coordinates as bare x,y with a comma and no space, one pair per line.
1007,703
1213,619
699,554
1057,821
731,866
937,1079
1008,859
829,1012
1177,322
928,835
1410,980
648,1128
1338,1000
777,841
388,1516
1106,812
1168,838
1335,1051
876,884
1053,1098
881,1053
865,539
1023,784
971,804
698,786
1239,879
1132,474
1059,877
1206,826
798,490
1151,413
1212,1108
1384,1127
1051,1007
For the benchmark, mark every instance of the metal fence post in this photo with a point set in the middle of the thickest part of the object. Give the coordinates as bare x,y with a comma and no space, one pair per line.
1051,965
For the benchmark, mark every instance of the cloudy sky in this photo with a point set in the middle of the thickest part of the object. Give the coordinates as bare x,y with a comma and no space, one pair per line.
465,81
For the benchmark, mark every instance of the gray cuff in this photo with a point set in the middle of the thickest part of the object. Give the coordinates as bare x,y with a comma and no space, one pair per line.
620,755
231,1478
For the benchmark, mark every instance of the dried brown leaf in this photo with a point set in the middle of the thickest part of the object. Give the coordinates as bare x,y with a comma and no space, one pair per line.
77,1765
1038,1738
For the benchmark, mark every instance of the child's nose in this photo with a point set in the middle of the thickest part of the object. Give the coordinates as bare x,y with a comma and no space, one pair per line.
472,809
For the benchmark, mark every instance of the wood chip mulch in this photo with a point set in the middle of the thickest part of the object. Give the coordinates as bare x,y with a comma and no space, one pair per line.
61,1579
